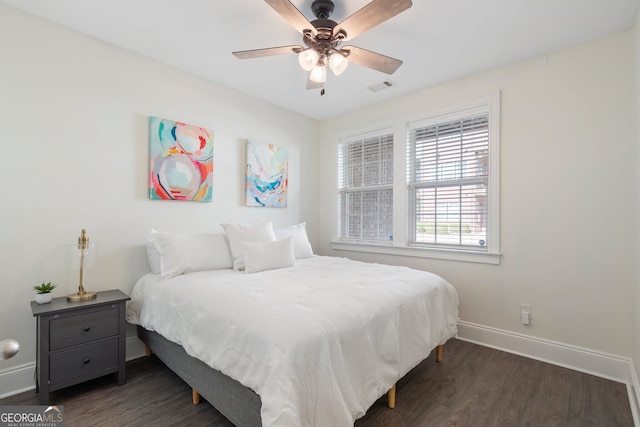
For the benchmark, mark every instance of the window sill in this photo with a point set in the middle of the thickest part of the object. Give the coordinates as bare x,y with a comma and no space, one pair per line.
445,254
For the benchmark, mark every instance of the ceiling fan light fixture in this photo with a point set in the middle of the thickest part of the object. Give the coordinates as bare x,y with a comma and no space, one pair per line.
318,74
322,36
308,58
338,63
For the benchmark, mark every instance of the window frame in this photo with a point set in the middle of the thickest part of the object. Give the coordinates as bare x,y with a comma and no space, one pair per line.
489,103
437,184
345,189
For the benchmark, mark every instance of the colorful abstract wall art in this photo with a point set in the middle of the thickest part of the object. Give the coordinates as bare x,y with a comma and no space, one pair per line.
267,175
181,161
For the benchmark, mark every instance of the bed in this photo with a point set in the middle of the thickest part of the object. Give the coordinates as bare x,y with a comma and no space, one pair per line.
310,341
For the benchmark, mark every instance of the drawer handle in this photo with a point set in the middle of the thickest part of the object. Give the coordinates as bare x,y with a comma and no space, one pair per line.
87,360
87,328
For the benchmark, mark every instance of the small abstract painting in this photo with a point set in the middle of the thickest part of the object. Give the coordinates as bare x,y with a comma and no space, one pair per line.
267,175
181,161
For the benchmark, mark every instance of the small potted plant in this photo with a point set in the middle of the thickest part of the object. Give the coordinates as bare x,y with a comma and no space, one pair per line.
43,292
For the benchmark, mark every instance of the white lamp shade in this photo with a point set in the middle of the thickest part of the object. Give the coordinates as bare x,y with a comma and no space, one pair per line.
318,74
338,63
308,59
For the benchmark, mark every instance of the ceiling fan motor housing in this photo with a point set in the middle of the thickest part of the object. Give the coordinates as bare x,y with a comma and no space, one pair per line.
324,42
322,9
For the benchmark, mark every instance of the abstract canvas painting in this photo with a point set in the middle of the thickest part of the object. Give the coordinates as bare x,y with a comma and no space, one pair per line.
181,161
267,175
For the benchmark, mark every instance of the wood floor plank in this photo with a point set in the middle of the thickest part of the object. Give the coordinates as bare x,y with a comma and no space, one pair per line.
474,386
478,386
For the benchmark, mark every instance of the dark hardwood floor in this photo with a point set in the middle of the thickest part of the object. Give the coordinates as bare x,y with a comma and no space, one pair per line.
474,386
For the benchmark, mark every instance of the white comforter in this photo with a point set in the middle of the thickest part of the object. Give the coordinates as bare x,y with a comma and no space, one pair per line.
318,342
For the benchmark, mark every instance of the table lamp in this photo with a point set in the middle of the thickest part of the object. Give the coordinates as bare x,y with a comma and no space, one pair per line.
85,253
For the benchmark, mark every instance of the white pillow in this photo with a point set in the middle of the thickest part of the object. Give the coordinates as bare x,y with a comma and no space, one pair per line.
268,256
301,246
153,256
249,233
183,253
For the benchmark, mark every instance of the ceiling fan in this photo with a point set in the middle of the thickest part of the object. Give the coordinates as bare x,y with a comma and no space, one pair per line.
323,36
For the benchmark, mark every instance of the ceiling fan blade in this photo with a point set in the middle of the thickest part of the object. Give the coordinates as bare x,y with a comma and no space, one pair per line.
375,61
257,53
313,85
288,11
371,15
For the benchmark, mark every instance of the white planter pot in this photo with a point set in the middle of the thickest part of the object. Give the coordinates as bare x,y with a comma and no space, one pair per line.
44,298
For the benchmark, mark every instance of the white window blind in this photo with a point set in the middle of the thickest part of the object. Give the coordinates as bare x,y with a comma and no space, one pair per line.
448,178
365,188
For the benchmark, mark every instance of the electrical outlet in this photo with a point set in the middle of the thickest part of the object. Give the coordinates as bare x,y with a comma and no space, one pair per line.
526,314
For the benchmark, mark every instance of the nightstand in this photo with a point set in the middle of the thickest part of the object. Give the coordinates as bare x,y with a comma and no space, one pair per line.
79,341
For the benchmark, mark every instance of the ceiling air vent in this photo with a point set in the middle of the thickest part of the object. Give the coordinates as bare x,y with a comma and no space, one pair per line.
382,85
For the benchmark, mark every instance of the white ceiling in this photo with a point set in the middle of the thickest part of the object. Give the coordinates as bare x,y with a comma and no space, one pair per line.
438,40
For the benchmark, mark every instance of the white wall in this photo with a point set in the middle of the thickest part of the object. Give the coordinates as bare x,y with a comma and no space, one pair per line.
567,172
74,154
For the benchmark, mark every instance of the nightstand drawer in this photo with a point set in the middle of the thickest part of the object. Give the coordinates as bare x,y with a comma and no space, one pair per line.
83,360
81,328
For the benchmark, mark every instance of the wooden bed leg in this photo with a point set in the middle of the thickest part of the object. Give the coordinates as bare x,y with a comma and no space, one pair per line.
439,353
391,397
195,396
147,351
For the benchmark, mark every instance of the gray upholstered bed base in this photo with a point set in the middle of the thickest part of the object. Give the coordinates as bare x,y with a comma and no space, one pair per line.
238,403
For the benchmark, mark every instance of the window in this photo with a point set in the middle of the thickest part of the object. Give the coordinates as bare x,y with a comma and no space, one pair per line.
448,179
365,181
442,198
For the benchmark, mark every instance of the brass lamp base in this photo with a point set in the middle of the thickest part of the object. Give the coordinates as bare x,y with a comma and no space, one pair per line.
84,297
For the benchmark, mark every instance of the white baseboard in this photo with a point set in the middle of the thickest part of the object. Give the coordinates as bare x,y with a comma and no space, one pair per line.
135,348
19,379
633,389
600,364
